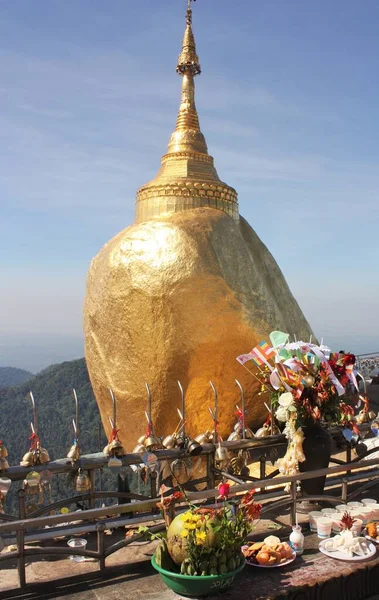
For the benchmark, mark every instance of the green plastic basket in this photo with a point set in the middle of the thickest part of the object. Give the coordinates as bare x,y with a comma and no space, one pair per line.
195,586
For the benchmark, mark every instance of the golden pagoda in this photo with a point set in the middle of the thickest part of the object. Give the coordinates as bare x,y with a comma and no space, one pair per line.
183,291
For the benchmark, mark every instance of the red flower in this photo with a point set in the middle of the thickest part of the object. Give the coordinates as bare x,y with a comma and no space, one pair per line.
224,489
248,497
252,511
349,359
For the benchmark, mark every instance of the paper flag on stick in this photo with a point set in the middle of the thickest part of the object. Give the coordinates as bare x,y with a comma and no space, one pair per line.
244,358
278,337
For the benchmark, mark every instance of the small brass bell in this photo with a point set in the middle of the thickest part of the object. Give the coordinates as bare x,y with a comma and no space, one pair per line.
263,431
107,450
117,448
235,436
4,464
371,415
141,440
4,451
28,459
139,449
274,429
221,453
151,442
43,456
82,482
5,484
204,438
193,448
169,442
114,463
362,417
248,433
32,480
74,453
181,470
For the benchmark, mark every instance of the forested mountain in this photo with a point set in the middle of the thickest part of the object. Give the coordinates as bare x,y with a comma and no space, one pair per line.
52,390
13,376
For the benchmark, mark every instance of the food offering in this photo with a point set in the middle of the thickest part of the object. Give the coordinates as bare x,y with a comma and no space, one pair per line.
269,553
345,546
372,532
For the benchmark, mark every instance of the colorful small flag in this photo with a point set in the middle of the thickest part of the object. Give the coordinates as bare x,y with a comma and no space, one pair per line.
277,338
243,358
266,350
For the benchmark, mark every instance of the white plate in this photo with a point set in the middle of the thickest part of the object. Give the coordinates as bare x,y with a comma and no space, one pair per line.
342,556
283,564
372,539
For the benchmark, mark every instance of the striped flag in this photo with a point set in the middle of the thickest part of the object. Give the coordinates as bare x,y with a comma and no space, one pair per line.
266,350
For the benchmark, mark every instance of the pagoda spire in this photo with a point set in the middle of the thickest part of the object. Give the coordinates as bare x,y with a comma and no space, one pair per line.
187,178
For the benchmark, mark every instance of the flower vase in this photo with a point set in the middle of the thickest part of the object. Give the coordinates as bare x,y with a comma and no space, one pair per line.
317,448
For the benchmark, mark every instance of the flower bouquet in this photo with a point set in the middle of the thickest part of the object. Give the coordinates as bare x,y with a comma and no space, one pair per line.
307,384
200,553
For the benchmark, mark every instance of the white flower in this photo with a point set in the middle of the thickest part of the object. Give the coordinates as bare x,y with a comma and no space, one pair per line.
286,399
281,414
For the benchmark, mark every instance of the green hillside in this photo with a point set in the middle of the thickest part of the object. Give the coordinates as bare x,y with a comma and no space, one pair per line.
13,376
52,390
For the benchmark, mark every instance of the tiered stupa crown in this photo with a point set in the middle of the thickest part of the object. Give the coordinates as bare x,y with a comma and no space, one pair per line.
187,178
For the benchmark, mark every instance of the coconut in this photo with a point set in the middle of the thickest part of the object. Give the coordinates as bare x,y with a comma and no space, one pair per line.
177,544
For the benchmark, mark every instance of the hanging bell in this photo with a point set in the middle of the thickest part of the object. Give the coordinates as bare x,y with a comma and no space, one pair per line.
235,436
32,481
141,440
82,482
107,450
114,463
117,448
263,431
371,415
221,453
5,484
362,417
193,447
4,464
74,453
204,438
169,442
248,433
181,470
152,442
43,456
4,451
139,449
28,459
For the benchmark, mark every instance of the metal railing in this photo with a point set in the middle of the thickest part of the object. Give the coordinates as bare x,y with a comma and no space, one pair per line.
39,526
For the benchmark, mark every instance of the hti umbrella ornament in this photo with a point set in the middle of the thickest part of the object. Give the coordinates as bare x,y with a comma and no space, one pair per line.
37,455
74,452
221,453
114,449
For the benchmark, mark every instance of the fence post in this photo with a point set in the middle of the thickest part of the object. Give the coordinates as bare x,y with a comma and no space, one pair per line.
262,466
293,503
101,546
21,540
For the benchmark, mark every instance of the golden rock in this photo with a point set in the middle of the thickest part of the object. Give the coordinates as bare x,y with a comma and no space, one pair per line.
182,292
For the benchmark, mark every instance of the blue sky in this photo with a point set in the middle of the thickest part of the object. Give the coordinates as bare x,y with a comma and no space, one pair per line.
287,102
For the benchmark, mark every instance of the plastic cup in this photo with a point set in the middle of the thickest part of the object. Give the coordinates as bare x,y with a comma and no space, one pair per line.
342,508
328,512
78,544
357,526
368,501
365,514
313,516
337,527
355,504
374,511
324,527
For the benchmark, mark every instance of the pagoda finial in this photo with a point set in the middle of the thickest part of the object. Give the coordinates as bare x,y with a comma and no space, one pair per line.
188,62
